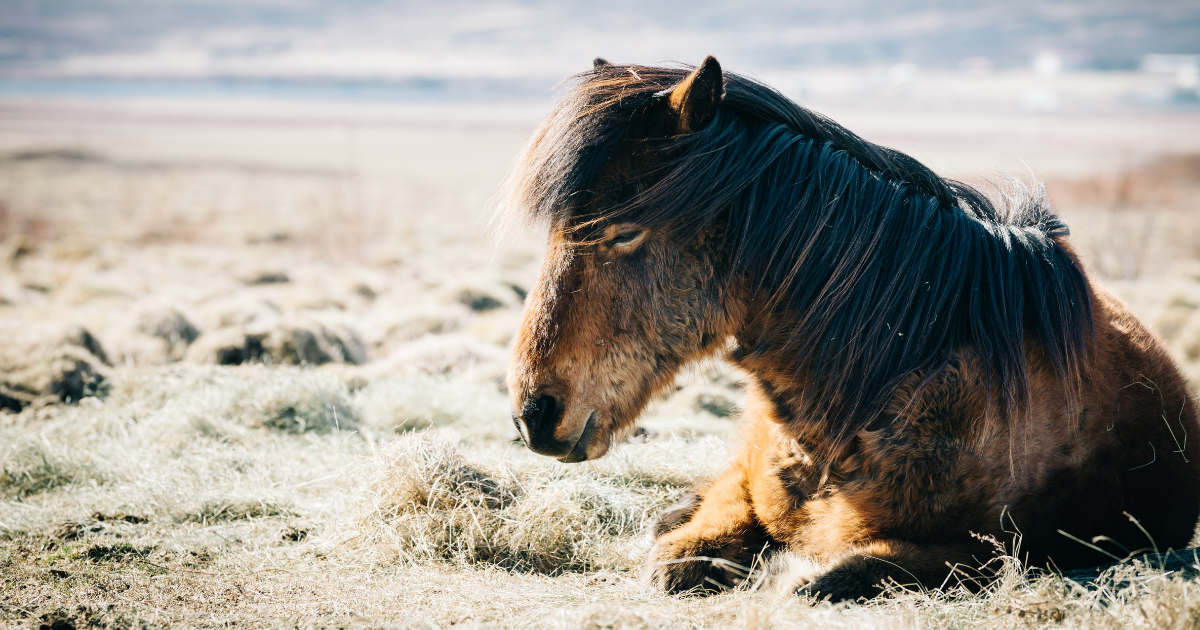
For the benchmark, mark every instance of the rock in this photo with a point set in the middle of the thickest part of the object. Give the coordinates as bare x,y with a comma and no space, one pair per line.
49,364
226,346
314,343
267,277
78,336
478,301
482,297
284,342
170,326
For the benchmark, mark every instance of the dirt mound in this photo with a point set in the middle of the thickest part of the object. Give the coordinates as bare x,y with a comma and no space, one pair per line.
48,364
481,296
165,334
285,342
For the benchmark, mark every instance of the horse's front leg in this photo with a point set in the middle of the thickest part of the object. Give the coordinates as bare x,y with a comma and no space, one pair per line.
867,570
709,540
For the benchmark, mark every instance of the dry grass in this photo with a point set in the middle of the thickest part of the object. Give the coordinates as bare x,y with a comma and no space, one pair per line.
358,469
1136,220
1139,231
154,522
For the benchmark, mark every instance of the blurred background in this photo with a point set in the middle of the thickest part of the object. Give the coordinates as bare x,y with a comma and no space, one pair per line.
459,57
457,50
227,181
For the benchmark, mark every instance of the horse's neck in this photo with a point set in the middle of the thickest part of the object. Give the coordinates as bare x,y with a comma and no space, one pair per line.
778,386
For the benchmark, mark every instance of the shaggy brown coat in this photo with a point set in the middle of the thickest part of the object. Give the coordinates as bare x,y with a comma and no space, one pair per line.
1096,454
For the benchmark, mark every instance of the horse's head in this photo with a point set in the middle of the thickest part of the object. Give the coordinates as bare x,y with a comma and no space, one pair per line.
620,304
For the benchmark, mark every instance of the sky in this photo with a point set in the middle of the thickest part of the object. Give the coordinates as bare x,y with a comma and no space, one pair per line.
532,42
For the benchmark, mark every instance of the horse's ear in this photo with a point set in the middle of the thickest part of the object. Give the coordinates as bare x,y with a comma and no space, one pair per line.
599,62
695,100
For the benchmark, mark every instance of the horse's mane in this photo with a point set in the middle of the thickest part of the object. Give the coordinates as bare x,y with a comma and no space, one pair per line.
889,268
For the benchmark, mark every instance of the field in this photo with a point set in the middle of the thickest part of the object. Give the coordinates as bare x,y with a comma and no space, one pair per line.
252,358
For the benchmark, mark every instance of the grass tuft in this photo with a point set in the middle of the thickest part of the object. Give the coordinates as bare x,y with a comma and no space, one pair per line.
36,465
427,502
122,552
226,509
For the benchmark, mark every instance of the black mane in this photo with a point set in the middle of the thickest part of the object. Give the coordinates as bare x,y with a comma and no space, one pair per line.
889,267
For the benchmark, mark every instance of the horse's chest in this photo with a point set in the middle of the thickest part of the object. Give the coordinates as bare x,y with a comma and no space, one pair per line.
887,483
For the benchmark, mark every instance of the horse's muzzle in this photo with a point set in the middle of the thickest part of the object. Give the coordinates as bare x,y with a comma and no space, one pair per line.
537,423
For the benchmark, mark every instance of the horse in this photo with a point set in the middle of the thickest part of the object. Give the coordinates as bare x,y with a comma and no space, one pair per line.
933,376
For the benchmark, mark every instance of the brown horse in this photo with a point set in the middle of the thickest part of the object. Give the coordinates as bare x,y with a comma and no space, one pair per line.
930,367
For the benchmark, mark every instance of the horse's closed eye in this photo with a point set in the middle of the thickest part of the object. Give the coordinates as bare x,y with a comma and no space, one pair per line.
625,240
627,237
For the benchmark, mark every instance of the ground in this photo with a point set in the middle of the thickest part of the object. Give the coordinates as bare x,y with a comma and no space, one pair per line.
252,375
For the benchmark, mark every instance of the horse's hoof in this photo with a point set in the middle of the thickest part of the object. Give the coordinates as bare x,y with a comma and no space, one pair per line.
841,584
673,570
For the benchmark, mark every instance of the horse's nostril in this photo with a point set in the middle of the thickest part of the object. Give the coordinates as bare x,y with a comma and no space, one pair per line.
538,413
537,422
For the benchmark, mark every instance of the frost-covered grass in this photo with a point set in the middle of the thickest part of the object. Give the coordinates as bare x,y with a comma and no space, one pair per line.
384,490
179,500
